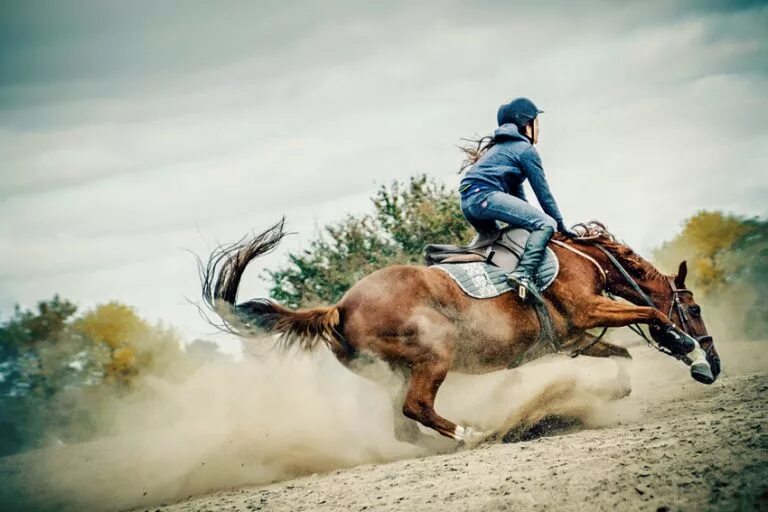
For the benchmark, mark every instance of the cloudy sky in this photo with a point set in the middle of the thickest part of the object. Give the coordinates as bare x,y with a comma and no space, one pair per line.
132,132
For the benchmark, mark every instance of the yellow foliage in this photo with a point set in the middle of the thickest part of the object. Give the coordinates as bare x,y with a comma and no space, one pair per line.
136,346
122,367
709,233
706,272
124,357
113,323
705,241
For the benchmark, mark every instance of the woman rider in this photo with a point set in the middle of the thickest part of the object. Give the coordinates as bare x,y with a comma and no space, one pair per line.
492,189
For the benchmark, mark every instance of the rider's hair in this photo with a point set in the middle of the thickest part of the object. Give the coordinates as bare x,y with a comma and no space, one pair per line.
474,150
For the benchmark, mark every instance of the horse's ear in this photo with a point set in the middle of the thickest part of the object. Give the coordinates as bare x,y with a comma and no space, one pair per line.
682,271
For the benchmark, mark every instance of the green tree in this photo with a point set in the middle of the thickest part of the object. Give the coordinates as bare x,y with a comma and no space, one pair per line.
406,217
35,350
420,212
41,360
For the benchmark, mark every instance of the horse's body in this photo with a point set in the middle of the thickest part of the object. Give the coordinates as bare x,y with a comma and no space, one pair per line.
421,323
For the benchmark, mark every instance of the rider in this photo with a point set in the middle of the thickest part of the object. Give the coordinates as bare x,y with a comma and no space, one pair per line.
492,189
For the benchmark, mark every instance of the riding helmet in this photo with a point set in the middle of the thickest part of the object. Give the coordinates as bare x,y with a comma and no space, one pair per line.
519,111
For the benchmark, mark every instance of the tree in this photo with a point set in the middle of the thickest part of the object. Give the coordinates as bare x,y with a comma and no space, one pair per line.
728,258
60,372
341,255
41,359
31,345
406,217
420,212
135,345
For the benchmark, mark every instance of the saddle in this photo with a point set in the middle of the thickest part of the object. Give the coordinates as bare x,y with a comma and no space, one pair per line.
499,253
501,248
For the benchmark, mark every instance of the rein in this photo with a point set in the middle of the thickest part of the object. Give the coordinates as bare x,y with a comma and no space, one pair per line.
644,296
675,304
627,277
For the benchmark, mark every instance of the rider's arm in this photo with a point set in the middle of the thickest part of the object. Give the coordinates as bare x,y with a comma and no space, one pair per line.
531,163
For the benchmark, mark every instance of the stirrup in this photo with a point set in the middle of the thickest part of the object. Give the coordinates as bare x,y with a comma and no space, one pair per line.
524,285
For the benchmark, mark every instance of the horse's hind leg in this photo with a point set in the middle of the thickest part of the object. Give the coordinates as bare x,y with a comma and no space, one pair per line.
394,380
419,405
407,430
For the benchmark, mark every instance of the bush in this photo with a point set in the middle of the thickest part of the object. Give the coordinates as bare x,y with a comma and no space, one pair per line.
406,217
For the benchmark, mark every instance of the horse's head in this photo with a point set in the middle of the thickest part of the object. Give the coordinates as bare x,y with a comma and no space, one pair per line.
687,314
633,278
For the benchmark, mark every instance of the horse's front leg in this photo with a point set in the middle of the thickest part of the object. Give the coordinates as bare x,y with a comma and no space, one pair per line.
603,312
586,345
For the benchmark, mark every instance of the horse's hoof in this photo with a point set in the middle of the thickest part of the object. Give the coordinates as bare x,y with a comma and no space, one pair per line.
468,436
702,373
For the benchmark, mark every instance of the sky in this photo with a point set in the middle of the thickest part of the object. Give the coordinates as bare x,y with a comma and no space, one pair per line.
135,132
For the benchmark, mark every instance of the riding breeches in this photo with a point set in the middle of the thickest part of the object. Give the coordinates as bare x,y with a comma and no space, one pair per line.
483,208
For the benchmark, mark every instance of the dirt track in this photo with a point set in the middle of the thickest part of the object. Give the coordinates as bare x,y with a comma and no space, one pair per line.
691,447
672,443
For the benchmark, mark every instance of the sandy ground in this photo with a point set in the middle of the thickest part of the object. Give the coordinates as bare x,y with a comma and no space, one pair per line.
673,444
707,451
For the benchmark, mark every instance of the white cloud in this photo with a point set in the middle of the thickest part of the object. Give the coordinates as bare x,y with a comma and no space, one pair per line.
114,166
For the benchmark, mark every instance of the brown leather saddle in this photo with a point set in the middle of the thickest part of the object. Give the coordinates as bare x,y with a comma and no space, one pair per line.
501,248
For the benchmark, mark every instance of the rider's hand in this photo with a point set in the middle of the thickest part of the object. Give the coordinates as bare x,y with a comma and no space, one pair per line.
561,228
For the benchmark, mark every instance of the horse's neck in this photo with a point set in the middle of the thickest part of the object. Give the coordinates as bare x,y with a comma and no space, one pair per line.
646,276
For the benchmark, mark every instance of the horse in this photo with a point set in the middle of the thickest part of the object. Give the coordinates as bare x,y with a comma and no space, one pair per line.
418,321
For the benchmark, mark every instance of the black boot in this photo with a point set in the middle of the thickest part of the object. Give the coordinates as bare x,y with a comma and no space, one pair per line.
677,341
524,275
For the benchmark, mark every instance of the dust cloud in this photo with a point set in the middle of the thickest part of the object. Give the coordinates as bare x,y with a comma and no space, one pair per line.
227,424
266,419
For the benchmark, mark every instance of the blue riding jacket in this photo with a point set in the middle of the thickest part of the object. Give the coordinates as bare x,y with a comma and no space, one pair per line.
506,165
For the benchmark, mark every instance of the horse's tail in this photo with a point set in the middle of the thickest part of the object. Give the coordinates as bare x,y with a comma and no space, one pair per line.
220,279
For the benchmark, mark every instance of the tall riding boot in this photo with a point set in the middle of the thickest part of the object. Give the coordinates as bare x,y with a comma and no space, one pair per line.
524,276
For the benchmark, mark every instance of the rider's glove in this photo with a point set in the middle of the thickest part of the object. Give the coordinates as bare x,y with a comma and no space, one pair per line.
561,228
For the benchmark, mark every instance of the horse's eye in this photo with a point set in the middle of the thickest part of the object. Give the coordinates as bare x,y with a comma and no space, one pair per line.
695,310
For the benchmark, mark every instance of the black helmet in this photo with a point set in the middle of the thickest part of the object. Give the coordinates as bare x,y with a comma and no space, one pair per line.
520,111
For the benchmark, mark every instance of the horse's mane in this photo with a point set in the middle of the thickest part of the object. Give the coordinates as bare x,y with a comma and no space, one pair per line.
595,232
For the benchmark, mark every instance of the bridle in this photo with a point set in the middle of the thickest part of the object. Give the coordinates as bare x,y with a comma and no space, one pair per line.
682,314
676,306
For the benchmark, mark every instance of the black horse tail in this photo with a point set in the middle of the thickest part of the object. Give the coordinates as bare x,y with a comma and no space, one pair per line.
220,279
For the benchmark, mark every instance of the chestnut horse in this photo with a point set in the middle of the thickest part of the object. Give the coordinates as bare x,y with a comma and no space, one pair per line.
419,321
